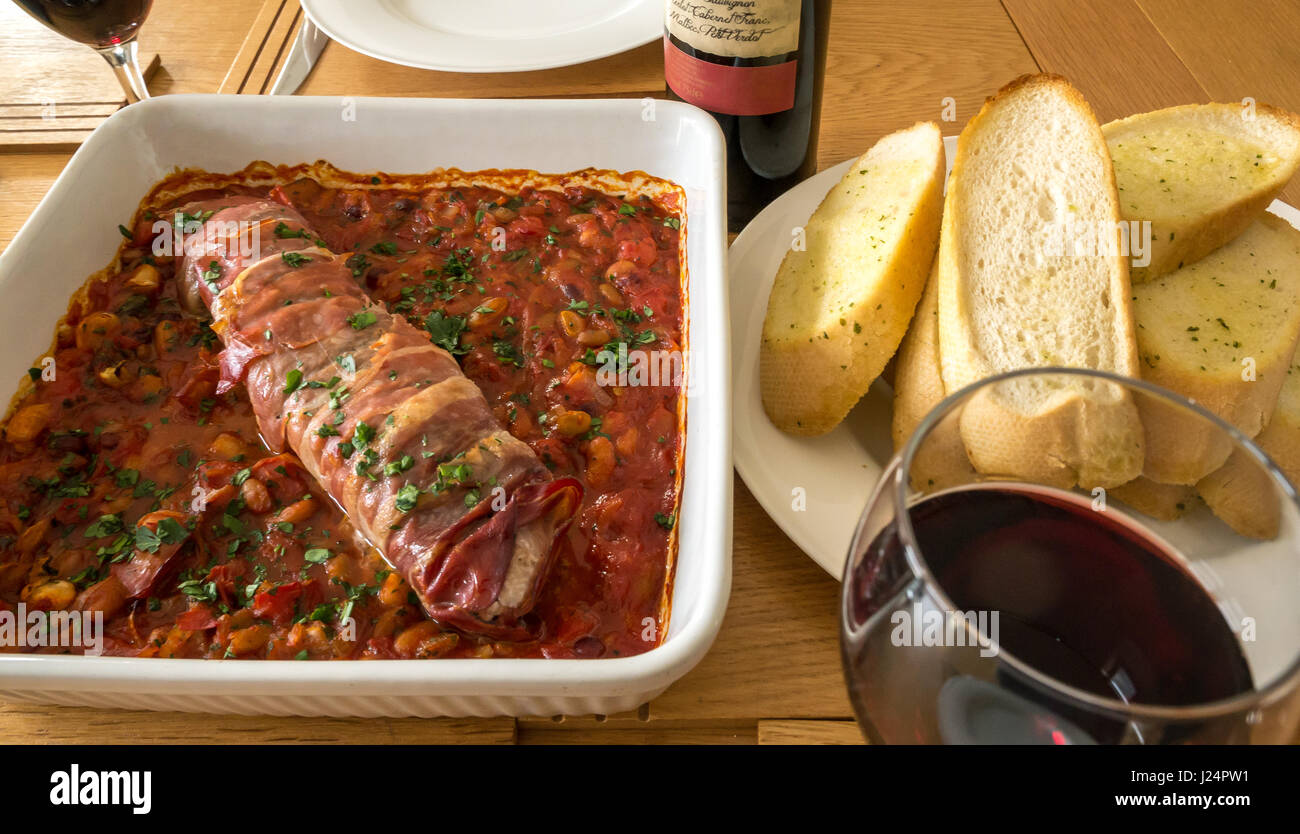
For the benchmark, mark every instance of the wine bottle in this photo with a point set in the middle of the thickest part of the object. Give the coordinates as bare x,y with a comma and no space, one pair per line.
756,66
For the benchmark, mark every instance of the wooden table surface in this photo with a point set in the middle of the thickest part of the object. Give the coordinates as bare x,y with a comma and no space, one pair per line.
773,675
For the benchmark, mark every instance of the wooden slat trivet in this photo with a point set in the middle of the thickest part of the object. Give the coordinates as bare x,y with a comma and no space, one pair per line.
54,91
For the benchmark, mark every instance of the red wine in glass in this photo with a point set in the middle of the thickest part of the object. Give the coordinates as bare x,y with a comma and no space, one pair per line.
107,26
1083,597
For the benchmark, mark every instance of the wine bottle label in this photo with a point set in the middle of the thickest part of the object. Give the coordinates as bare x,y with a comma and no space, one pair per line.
761,37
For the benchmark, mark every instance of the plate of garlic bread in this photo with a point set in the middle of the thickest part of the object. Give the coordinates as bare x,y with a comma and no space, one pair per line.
1193,284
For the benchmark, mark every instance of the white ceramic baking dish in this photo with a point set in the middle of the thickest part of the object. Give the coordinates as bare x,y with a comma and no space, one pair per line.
73,233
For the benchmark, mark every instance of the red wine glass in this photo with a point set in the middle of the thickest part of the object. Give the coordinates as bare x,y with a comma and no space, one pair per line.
107,26
1011,581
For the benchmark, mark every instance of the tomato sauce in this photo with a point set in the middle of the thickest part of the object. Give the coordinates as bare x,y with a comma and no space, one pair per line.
537,292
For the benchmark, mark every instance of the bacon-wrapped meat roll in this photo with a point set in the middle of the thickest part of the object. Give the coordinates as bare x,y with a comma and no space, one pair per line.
384,420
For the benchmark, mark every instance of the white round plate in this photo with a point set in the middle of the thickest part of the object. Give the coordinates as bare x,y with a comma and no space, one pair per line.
814,488
488,35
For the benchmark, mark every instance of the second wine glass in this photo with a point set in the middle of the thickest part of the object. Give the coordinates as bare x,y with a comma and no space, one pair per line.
107,26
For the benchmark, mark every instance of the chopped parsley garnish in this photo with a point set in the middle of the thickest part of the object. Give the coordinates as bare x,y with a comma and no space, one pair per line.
106,525
362,320
283,231
445,331
169,531
358,264
134,304
294,259
507,353
399,466
324,612
317,555
198,590
406,498
459,264
86,577
234,525
451,474
292,380
181,220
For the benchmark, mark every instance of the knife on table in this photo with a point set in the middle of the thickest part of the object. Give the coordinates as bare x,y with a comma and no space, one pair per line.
302,57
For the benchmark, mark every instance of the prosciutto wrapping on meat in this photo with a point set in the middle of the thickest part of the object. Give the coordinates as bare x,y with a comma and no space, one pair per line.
384,419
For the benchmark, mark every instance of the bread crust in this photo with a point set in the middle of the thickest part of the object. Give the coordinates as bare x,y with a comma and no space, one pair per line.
941,461
1165,502
1240,492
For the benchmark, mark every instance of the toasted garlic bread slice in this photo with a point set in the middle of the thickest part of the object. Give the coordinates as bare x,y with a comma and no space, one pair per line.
841,304
1166,502
1031,165
1201,174
1222,332
918,388
1240,492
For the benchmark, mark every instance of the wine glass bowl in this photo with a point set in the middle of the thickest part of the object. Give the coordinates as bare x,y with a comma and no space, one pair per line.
1010,581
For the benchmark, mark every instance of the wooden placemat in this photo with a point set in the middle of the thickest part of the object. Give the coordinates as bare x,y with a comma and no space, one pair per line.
54,91
1130,56
889,65
340,71
1110,50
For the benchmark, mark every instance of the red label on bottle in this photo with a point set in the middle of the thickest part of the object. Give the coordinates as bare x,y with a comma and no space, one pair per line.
739,91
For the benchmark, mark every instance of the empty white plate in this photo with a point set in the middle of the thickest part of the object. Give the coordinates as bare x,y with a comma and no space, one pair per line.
488,35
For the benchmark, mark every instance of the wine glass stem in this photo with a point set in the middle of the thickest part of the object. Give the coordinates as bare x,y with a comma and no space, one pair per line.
122,58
